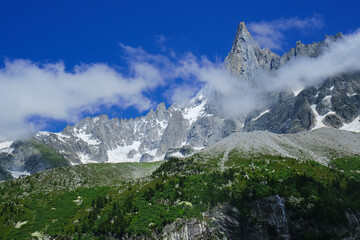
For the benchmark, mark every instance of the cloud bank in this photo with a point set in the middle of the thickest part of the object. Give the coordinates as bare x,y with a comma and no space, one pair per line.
47,90
271,34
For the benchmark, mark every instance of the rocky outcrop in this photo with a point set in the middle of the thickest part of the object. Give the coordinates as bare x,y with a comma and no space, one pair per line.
146,157
320,145
309,50
246,59
335,104
268,218
26,156
4,174
175,133
184,151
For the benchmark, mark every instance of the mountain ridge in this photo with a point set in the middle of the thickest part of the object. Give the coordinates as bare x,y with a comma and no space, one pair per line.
198,123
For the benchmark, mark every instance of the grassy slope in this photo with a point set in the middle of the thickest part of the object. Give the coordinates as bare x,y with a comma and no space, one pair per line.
50,155
89,201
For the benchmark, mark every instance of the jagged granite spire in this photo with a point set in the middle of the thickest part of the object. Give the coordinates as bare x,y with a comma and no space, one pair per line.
246,58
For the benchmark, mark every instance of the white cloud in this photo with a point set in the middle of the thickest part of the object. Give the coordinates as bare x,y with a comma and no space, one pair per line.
341,56
29,89
181,93
161,42
271,34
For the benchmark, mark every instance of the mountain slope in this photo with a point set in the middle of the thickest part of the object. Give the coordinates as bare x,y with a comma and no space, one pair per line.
26,157
254,197
321,145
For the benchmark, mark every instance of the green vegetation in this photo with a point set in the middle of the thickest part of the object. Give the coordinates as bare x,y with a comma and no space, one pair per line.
98,200
50,156
4,175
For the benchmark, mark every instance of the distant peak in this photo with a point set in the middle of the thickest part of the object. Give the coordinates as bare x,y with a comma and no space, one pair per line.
242,27
242,31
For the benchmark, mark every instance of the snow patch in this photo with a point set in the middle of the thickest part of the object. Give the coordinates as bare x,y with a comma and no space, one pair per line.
177,154
327,98
43,133
84,158
350,95
62,137
87,138
5,144
5,147
296,92
17,174
158,158
198,148
319,118
354,126
193,113
264,112
120,153
332,88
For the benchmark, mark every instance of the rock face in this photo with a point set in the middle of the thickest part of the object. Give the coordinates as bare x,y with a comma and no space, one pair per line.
26,156
320,145
336,104
268,219
100,139
270,210
246,58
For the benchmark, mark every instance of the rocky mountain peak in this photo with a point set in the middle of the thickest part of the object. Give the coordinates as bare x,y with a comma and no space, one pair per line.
242,34
246,58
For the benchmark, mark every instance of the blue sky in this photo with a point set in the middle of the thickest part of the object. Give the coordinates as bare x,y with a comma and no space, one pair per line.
87,32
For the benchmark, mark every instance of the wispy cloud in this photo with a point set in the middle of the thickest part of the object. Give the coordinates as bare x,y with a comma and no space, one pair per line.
271,34
161,42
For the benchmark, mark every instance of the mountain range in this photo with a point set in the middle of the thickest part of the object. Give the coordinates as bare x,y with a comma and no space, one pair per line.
183,129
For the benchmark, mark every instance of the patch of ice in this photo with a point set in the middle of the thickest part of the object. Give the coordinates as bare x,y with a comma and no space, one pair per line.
17,174
153,152
296,92
43,133
87,138
264,112
61,137
332,88
350,95
120,153
198,148
84,158
328,98
158,158
177,154
319,118
354,126
5,147
193,113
